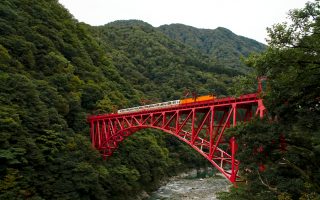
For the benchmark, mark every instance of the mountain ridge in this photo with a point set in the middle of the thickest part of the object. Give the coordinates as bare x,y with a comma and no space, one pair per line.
220,43
161,61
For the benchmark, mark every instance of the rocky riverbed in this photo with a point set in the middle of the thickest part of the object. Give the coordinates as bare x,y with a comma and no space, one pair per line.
188,186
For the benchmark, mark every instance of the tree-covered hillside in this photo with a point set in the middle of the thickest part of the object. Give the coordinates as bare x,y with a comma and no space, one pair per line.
54,71
220,44
280,155
163,67
157,66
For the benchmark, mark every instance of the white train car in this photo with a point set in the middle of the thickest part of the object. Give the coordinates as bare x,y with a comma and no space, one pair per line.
168,104
150,107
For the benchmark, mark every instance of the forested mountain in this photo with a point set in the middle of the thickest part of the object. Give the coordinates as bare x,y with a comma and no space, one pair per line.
158,66
219,44
166,66
54,71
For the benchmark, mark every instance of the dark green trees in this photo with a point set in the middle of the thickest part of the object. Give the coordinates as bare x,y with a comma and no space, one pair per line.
55,70
281,154
222,46
52,72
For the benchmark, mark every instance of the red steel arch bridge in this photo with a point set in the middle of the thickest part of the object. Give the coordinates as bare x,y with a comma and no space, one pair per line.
199,124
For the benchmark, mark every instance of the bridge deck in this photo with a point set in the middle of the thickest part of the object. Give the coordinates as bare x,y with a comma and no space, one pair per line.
243,99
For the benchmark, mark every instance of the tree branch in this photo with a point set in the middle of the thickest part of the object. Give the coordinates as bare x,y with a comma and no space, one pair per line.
273,189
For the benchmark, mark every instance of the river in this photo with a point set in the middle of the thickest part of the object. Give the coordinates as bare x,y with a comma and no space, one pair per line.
190,186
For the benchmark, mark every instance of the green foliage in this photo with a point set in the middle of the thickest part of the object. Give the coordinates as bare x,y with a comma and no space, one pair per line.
52,73
221,45
160,67
54,70
280,156
244,84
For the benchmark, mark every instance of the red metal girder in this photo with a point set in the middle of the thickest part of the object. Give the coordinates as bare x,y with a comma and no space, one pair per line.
192,125
169,121
222,131
211,129
104,131
177,121
157,120
98,134
199,127
186,122
148,117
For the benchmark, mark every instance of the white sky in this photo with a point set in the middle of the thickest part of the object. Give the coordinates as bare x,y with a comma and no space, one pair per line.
248,18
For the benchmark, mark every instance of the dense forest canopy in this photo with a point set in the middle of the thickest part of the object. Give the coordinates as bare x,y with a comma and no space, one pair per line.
286,145
54,71
163,67
221,45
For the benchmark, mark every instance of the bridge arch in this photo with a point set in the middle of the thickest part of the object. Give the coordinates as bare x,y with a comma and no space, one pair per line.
130,131
201,125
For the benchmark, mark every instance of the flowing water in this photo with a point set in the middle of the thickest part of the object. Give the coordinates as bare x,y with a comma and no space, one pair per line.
186,187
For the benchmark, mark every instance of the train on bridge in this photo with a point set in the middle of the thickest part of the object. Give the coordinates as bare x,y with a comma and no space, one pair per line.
199,122
167,104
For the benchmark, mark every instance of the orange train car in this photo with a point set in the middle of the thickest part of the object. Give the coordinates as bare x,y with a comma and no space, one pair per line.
168,103
200,98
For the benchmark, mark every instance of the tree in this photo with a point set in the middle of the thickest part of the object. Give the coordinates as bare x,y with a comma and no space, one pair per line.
281,156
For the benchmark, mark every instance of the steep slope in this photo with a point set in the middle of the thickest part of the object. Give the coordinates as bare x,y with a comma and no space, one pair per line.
158,66
220,44
55,70
52,73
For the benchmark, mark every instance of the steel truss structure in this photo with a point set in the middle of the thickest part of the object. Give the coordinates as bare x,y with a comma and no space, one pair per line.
201,125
